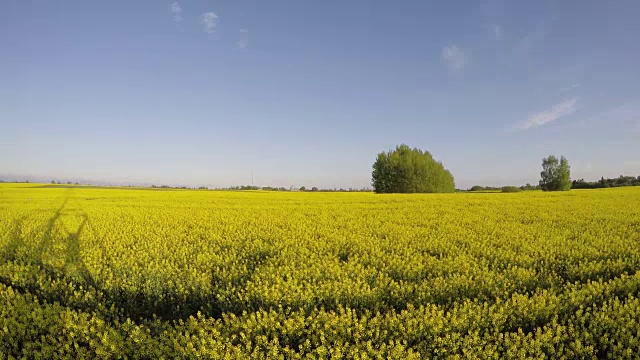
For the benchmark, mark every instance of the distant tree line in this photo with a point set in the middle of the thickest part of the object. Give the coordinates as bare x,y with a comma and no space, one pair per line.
169,187
261,188
575,184
61,183
251,187
606,183
14,181
291,188
555,176
235,188
508,188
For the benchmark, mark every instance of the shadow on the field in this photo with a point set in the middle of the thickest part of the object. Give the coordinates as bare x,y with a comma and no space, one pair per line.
10,250
77,289
45,241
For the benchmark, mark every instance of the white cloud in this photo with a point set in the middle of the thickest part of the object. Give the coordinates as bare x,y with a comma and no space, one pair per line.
244,39
209,20
564,108
455,57
176,10
496,31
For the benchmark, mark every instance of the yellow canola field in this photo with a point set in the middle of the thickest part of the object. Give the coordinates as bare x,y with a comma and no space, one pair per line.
141,273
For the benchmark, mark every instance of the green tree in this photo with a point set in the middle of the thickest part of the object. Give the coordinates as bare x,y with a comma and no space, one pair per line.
406,170
510,189
556,174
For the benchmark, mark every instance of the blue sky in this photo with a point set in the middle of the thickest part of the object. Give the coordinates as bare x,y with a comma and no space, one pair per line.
199,92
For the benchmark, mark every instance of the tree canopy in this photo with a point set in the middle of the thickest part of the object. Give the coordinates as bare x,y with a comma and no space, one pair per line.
406,170
555,175
606,183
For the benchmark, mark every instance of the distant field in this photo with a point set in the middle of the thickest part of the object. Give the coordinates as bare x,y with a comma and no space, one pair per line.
93,272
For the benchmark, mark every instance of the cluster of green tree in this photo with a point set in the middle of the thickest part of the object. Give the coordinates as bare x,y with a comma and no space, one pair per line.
252,187
483,188
556,174
364,189
244,187
313,189
170,187
529,187
406,170
606,183
61,183
509,188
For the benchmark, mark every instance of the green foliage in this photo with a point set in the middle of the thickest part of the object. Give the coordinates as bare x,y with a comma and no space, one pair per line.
529,187
510,189
406,170
606,183
555,175
483,188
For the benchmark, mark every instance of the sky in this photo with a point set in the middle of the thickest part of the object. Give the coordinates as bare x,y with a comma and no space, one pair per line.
204,92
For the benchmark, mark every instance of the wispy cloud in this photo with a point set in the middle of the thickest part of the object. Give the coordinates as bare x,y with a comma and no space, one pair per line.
557,111
496,31
210,22
623,117
176,10
455,57
244,39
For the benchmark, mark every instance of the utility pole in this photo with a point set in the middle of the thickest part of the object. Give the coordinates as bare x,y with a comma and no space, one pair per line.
252,179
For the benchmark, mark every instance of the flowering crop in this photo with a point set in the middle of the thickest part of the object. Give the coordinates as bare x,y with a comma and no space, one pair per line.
99,272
